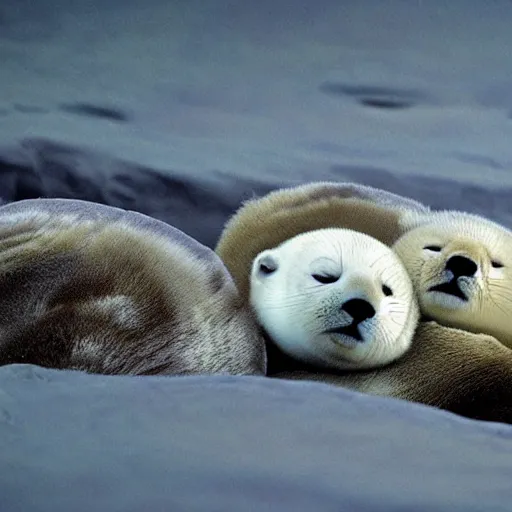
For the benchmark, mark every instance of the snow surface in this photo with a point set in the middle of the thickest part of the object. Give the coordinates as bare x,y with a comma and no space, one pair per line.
73,442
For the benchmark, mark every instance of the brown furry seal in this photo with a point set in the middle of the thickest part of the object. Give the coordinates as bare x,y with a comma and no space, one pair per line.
265,222
90,287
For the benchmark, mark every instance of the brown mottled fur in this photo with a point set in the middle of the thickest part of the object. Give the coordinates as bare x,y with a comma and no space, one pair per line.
469,374
107,298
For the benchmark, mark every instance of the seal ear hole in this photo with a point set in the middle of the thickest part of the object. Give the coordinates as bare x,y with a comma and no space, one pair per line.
433,248
267,265
325,279
386,290
496,264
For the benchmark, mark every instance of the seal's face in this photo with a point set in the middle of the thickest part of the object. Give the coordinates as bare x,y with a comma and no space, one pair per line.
335,298
461,269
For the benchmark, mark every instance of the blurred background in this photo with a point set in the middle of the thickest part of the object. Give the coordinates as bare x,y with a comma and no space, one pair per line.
270,92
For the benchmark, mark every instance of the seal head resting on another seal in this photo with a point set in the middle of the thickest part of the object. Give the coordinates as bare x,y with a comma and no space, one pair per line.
90,287
335,298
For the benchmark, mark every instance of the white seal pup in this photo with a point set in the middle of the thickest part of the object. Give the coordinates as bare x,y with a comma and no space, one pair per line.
90,287
335,298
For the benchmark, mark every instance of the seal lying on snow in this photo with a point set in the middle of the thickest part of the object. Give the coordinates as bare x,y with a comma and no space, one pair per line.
472,360
460,264
90,287
335,298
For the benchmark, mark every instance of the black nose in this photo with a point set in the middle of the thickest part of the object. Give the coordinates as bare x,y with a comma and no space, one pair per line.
461,266
359,309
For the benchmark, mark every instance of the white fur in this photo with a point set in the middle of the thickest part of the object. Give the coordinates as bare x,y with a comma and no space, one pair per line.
296,310
121,308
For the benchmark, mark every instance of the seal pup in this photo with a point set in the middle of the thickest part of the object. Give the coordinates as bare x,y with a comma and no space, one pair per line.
90,287
460,263
461,268
335,298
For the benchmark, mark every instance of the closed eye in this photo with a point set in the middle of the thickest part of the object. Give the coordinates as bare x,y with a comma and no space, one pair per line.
265,269
325,279
433,248
386,290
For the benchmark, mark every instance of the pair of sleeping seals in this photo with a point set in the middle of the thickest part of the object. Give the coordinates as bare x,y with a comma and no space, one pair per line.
90,287
458,264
